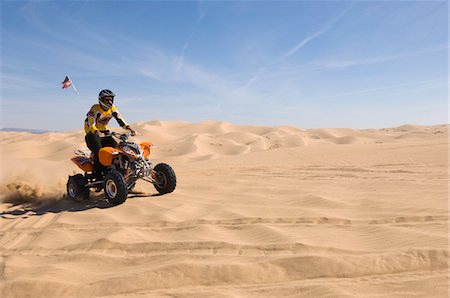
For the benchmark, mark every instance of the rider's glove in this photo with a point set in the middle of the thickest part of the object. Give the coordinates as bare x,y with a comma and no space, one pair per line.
131,130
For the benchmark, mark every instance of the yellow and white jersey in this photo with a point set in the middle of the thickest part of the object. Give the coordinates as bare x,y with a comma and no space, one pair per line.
98,119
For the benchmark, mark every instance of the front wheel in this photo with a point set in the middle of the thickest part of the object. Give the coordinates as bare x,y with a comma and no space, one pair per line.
115,187
166,181
76,189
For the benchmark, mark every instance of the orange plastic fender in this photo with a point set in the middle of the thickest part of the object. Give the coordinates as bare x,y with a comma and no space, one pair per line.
106,155
145,146
83,163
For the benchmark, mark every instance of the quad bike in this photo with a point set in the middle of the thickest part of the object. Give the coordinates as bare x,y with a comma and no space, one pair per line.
124,165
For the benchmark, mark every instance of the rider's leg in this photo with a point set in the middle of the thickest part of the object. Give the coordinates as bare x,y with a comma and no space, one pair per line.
108,142
94,144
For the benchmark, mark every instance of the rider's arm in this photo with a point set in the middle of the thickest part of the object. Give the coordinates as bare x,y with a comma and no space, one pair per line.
121,121
91,120
119,118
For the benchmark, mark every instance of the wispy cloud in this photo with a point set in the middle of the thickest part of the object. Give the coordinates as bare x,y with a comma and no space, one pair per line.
201,14
304,42
298,46
201,11
32,13
130,56
379,88
82,49
377,60
21,82
183,51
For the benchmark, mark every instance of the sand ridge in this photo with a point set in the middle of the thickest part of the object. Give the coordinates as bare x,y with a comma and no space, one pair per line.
259,212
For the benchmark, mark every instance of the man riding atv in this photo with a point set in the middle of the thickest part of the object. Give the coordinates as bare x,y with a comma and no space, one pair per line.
96,123
114,167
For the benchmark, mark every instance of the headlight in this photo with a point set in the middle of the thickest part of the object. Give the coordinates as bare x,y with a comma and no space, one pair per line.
128,150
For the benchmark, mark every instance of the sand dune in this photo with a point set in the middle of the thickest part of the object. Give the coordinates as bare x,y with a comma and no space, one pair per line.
258,212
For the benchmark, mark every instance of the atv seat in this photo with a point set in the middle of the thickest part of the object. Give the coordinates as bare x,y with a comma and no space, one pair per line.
84,152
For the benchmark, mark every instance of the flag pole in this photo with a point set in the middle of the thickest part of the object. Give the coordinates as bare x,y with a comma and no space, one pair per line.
73,86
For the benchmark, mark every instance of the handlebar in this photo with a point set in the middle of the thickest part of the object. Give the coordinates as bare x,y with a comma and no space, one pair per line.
122,136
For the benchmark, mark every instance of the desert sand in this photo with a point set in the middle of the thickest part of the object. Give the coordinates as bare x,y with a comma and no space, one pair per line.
258,212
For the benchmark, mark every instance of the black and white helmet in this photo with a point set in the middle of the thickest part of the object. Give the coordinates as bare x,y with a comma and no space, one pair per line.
106,104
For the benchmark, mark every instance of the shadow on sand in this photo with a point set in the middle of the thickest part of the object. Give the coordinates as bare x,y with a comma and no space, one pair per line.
23,208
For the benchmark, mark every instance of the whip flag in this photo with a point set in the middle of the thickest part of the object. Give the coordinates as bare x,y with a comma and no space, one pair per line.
67,83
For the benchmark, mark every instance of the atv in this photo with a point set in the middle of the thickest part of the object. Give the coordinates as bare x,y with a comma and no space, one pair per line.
123,166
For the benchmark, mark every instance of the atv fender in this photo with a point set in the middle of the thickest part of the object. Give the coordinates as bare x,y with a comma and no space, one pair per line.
83,163
106,155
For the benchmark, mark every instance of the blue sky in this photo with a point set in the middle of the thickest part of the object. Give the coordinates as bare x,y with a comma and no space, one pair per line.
310,64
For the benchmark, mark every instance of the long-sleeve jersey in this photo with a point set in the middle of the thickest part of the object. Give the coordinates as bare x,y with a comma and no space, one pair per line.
98,119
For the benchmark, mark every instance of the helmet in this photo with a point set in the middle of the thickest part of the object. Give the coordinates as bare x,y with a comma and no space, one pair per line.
106,104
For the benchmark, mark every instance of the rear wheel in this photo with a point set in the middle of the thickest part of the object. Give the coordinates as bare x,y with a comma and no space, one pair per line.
76,189
166,181
115,187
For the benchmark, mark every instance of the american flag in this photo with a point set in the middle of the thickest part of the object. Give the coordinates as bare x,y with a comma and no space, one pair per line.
66,83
